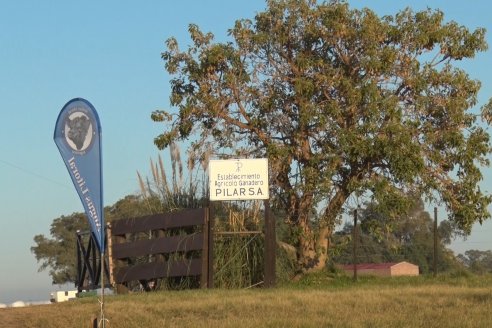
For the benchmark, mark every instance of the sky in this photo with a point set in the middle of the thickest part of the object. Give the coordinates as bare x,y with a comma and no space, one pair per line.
108,52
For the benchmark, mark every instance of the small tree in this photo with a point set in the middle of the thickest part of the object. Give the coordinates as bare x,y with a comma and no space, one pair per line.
477,261
409,237
58,252
342,102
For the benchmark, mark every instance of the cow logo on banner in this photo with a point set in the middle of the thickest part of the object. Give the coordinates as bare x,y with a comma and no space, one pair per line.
78,137
79,131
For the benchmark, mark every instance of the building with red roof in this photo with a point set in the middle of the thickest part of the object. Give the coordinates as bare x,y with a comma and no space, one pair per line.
383,269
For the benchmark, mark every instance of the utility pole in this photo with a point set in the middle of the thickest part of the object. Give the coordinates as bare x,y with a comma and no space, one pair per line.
354,236
435,241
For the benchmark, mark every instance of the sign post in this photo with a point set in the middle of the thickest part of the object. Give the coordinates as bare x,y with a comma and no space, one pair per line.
246,179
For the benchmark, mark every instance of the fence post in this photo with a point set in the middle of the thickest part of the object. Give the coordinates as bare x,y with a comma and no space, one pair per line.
205,252
270,245
210,256
120,288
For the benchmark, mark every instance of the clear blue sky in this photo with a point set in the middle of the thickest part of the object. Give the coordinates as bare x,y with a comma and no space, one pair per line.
109,53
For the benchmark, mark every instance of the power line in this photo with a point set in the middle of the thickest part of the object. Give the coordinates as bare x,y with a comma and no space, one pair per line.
39,176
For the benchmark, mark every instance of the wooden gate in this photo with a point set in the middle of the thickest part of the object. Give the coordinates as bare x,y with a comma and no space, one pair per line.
161,246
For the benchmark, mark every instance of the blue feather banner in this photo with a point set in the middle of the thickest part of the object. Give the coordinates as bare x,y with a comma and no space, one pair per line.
78,138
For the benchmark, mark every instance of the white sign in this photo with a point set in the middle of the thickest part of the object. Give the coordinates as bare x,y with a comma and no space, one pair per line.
238,179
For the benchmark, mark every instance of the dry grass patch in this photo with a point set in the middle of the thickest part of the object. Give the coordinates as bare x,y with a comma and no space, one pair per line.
430,305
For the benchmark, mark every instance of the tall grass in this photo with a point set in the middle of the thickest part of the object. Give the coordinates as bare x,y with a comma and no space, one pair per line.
174,192
239,245
239,252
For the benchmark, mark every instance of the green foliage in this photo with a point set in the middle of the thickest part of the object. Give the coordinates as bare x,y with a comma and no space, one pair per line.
342,102
58,252
477,261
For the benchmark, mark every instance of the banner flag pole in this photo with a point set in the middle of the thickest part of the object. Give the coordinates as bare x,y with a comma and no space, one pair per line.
78,138
102,318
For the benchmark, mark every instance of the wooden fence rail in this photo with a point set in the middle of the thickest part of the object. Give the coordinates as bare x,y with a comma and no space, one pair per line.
174,245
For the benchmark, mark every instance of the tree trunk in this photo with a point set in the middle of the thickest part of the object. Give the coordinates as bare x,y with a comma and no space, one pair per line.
322,245
313,247
307,248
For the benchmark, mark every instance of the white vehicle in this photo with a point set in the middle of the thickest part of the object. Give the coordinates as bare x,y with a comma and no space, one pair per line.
62,296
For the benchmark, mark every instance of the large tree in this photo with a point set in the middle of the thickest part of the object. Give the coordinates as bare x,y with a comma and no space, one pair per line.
342,102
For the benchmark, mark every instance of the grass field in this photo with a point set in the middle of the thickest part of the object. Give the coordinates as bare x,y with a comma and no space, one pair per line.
315,301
